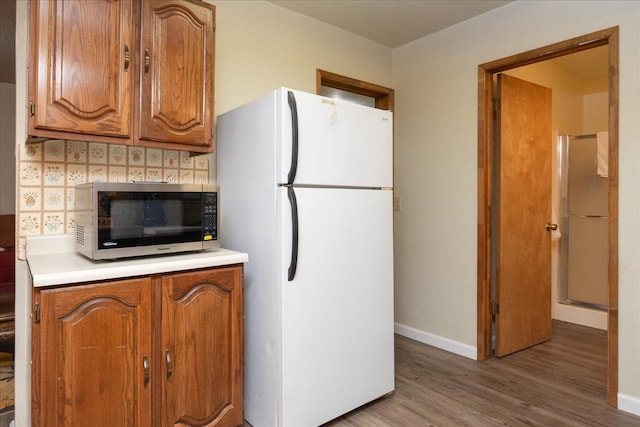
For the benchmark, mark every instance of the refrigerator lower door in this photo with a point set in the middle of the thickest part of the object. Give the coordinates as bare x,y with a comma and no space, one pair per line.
336,346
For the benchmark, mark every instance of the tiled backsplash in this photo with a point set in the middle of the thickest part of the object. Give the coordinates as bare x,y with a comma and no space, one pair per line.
48,172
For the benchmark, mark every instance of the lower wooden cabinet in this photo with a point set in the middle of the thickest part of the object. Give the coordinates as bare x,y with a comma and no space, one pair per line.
164,350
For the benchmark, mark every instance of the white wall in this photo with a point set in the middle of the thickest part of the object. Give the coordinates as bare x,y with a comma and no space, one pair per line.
435,79
7,148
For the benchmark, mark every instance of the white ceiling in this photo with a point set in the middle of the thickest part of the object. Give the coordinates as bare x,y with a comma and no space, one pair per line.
397,22
391,22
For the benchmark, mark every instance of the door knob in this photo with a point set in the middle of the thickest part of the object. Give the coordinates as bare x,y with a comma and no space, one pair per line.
551,227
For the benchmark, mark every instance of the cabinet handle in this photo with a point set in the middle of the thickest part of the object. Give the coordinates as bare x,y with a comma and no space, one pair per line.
169,364
147,62
145,366
127,57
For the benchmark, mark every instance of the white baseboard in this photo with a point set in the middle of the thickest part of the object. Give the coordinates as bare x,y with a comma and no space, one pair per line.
437,341
629,404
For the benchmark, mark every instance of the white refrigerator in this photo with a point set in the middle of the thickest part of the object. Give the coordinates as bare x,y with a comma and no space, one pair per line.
306,191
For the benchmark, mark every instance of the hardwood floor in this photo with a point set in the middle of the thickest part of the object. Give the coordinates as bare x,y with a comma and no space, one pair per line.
558,383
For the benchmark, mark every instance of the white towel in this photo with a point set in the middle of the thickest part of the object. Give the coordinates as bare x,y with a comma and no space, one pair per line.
602,154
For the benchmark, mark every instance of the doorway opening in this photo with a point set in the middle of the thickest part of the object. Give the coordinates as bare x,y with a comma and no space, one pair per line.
487,164
335,85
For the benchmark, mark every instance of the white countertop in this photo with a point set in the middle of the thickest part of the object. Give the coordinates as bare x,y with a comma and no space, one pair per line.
53,261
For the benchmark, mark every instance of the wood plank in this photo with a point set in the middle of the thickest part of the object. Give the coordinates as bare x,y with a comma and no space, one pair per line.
560,382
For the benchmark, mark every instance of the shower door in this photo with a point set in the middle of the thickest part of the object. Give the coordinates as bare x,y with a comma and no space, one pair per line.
588,224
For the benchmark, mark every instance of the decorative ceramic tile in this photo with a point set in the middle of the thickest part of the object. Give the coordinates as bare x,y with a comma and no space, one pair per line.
171,176
186,161
54,199
54,150
97,173
22,248
31,152
30,199
171,158
136,156
117,174
76,152
201,162
71,222
154,174
76,174
71,198
117,155
154,157
30,173
29,223
135,174
186,177
201,177
53,222
98,153
54,174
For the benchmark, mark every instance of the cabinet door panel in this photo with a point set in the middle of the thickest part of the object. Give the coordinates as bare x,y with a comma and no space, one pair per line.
176,75
92,340
202,329
81,78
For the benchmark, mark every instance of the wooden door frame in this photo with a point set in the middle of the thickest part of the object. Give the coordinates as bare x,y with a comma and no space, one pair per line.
383,95
486,74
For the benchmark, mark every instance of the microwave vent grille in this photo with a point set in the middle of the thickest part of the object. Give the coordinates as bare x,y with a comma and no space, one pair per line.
80,234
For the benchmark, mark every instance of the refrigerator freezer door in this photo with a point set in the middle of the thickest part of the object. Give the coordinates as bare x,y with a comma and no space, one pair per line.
337,350
339,143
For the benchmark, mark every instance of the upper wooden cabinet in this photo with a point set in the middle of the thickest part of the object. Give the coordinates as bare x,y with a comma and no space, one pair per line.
123,71
176,79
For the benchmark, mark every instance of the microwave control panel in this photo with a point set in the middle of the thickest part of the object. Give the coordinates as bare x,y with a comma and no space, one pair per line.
210,216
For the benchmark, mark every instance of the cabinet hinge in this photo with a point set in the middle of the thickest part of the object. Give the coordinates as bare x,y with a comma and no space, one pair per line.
32,108
496,104
36,312
495,308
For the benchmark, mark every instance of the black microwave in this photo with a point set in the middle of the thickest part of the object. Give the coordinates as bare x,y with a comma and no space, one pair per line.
117,220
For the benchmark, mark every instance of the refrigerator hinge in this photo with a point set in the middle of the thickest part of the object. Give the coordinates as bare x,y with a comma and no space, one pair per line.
495,308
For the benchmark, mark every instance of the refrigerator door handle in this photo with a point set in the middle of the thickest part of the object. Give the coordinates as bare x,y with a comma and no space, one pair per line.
291,98
294,234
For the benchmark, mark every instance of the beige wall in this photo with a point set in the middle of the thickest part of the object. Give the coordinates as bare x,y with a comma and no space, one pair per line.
259,47
435,79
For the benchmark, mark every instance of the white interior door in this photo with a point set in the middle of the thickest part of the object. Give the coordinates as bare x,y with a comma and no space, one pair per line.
337,312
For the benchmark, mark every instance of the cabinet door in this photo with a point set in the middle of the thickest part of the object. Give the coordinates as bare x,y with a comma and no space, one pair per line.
81,68
176,73
202,345
91,347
